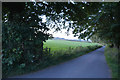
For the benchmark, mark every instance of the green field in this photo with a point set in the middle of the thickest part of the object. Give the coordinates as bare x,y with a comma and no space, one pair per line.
57,45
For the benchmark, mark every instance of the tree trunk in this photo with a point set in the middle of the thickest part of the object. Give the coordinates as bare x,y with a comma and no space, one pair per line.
41,51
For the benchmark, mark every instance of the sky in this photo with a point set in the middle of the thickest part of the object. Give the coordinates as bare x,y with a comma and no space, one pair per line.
62,34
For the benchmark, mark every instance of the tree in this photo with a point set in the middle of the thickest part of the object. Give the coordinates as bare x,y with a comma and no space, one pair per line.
23,35
88,19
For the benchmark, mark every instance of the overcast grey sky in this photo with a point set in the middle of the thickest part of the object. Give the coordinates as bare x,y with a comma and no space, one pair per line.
61,33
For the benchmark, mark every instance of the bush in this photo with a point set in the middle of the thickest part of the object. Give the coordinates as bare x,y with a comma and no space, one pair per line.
111,55
21,46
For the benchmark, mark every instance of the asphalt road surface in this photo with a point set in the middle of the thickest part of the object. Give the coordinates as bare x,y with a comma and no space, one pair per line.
91,65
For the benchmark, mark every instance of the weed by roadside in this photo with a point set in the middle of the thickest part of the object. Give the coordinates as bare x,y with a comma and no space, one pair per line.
111,55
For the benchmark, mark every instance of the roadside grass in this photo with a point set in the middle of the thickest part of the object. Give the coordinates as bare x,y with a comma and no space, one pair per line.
111,55
56,56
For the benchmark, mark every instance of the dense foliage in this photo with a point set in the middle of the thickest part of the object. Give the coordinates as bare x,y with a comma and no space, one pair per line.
88,19
22,36
111,55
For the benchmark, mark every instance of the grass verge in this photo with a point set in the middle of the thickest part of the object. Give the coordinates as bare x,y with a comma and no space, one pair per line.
111,55
56,58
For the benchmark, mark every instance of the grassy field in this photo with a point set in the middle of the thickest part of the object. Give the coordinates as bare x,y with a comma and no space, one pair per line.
57,45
